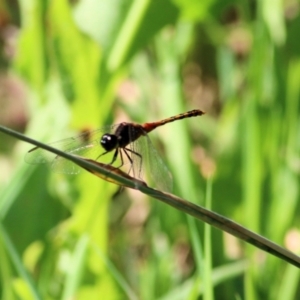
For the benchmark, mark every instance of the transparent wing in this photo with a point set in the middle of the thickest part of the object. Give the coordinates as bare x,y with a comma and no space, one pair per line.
150,164
62,165
87,145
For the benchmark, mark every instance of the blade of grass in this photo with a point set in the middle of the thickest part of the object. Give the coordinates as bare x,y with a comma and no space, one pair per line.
17,262
192,209
75,268
208,285
9,195
116,274
6,274
289,285
219,274
170,50
126,35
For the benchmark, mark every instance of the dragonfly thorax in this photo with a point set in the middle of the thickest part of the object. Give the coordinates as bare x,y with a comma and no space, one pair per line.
109,142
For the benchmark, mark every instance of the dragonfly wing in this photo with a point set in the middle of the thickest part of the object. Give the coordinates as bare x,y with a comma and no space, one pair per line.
137,156
151,164
86,144
38,156
62,165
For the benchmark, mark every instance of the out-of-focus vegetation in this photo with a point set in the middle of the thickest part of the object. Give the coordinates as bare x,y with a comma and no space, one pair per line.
71,65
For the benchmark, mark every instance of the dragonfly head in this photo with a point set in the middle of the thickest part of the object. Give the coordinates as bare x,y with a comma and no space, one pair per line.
109,141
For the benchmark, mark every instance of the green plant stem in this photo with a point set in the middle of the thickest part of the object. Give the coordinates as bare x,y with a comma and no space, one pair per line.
192,209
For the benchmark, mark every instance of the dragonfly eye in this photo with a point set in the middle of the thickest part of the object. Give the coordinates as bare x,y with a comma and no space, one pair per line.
109,141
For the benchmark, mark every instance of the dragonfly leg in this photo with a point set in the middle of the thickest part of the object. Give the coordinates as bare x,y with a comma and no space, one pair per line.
129,158
140,157
114,157
121,157
101,154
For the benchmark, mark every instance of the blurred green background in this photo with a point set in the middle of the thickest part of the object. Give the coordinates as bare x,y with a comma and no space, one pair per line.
71,65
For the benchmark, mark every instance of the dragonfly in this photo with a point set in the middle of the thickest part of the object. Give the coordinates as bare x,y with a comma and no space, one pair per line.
118,145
